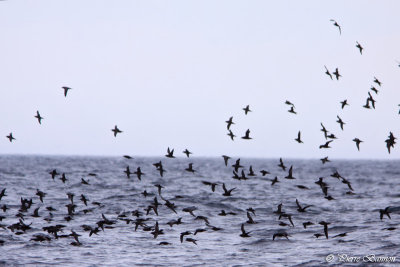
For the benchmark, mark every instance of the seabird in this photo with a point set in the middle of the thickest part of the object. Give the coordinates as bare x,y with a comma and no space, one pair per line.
301,209
182,235
170,153
341,122
10,137
190,168
358,141
246,109
281,164
187,152
116,131
336,73
325,224
337,25
384,212
325,160
227,193
275,180
280,235
359,47
247,135
290,176
328,73
66,90
229,123
244,233
326,145
377,81
226,158
298,139
39,117
250,219
231,135
344,103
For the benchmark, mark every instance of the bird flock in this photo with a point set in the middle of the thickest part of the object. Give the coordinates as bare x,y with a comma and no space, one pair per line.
140,218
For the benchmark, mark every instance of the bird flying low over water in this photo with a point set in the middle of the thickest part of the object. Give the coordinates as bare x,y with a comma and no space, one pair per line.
340,121
337,25
116,131
325,224
170,153
384,212
244,233
227,193
390,142
291,110
187,152
40,118
66,90
10,137
226,158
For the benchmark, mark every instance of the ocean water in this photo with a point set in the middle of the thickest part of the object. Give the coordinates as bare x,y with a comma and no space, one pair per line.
375,184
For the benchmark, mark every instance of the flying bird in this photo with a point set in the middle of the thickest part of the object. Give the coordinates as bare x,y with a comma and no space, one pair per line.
244,233
359,47
40,118
10,137
246,109
377,81
170,153
66,90
336,73
116,131
358,141
340,121
229,123
247,135
344,103
337,25
328,73
187,152
298,139
326,145
231,135
226,158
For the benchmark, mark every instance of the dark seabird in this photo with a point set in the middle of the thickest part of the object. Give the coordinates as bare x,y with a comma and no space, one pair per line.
336,73
10,137
298,139
229,123
231,135
384,212
188,239
341,122
128,172
301,209
290,176
83,181
250,219
157,231
358,141
275,180
247,135
281,164
63,178
291,110
39,117
170,153
264,172
53,173
287,102
127,157
213,185
84,199
244,233
226,158
359,47
324,130
328,73
280,235
305,224
325,224
326,145
116,131
337,25
237,165
190,168
251,172
182,235
340,235
199,230
40,194
190,210
139,173
344,103
66,90
325,160
187,152
246,109
377,81
227,193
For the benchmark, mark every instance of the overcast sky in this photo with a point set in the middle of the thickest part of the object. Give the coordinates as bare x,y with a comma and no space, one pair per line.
170,73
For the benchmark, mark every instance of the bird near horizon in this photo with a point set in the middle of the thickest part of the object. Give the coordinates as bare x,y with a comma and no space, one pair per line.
10,137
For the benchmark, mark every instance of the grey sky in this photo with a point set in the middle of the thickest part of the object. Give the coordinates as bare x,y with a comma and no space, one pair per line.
170,73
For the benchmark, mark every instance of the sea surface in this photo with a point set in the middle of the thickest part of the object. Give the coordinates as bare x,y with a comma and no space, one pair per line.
375,185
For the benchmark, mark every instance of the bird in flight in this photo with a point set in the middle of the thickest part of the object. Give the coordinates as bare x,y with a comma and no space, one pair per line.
336,73
291,110
187,152
229,123
377,81
326,145
246,109
116,131
337,25
344,103
244,233
247,135
231,135
340,122
226,158
359,47
170,153
10,137
358,141
328,73
66,90
40,118
298,139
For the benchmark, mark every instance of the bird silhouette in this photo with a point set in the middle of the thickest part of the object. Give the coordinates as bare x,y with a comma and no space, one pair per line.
336,73
357,141
247,135
187,152
40,118
116,131
65,88
246,109
344,103
170,153
340,121
226,158
298,139
337,25
227,193
229,123
244,233
325,224
359,47
328,73
10,137
383,212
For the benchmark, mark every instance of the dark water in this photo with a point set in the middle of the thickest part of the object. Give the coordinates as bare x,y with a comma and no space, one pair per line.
375,184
